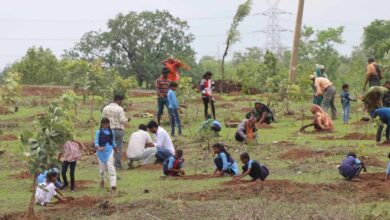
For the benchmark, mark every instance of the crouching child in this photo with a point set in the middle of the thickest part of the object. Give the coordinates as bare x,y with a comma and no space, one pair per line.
224,163
252,168
351,167
173,165
47,190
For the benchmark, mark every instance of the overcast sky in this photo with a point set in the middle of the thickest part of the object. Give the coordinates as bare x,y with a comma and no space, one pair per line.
59,24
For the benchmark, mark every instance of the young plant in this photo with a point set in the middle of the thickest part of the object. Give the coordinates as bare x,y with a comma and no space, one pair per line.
11,89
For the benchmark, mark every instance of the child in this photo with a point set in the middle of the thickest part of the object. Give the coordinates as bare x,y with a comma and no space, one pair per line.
43,176
47,190
388,170
246,131
172,166
104,144
173,106
351,167
70,156
345,102
252,168
223,162
210,124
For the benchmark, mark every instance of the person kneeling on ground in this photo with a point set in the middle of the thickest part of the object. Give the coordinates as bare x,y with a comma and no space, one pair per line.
210,124
163,142
141,147
252,168
382,116
246,131
173,165
322,121
224,163
351,167
263,114
42,177
388,170
47,190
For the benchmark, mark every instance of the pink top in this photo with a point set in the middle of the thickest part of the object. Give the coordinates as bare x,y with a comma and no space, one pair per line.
71,151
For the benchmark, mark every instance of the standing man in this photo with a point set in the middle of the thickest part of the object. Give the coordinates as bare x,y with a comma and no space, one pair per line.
163,143
325,88
115,113
374,74
206,87
162,87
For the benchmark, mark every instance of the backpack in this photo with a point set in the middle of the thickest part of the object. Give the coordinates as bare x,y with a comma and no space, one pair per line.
264,172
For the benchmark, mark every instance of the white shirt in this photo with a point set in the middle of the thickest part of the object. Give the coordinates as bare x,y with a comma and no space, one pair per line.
116,115
137,143
163,140
45,193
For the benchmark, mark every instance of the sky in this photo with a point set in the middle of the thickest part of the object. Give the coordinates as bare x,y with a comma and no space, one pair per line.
58,25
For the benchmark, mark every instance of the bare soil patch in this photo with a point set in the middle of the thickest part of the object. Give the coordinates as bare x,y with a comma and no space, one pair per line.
84,184
141,93
227,105
4,110
283,144
21,175
195,177
372,188
156,166
47,91
299,154
358,136
264,126
372,161
8,137
246,109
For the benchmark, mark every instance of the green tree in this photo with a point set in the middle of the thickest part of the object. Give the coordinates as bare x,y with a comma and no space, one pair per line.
39,66
376,38
11,89
136,43
233,35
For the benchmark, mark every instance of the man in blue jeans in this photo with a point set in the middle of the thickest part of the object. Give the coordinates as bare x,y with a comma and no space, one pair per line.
163,143
162,86
173,106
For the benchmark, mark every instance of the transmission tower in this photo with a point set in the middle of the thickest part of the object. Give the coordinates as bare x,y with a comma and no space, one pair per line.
273,30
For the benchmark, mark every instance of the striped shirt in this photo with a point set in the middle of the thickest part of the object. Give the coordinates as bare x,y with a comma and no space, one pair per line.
116,115
162,86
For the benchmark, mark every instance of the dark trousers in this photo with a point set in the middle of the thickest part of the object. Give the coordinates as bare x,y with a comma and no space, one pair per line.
379,133
206,102
162,154
65,166
257,171
219,164
351,175
161,102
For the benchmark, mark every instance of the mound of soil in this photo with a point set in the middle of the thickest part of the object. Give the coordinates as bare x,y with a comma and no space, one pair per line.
8,137
283,144
326,138
4,110
372,161
156,166
246,109
299,154
195,177
21,175
384,143
372,188
225,105
84,184
358,136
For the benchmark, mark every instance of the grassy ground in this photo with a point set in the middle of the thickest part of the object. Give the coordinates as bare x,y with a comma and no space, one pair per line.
302,184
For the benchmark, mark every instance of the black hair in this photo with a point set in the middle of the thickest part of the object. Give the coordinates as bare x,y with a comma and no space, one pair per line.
370,60
248,115
208,73
222,148
245,155
142,127
173,84
104,121
345,85
179,152
387,82
50,175
351,154
165,71
118,97
152,124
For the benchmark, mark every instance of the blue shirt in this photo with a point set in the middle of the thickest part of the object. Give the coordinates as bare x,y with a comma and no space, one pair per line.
172,100
388,169
384,114
250,162
345,99
42,178
104,154
227,165
171,161
216,123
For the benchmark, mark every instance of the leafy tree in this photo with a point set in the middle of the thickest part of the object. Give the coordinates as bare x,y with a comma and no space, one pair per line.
376,38
39,66
233,35
41,149
11,90
136,43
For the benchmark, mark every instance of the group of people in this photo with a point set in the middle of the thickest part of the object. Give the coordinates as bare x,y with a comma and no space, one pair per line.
109,138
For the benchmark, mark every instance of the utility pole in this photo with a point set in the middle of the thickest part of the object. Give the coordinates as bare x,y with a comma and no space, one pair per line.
296,42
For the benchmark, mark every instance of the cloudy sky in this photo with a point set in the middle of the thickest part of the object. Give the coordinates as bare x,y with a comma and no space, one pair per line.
59,24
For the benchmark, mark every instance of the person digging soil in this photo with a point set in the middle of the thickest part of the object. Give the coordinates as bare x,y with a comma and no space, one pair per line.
321,122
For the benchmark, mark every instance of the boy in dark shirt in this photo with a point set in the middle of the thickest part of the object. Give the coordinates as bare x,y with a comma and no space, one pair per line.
252,168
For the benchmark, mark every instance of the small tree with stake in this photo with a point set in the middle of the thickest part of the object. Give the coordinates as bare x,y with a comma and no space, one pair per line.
233,36
54,128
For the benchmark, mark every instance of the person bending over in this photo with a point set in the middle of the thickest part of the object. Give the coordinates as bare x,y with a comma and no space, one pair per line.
252,168
173,165
351,167
321,122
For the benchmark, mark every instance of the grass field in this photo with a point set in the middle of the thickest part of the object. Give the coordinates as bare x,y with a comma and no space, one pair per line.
304,182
